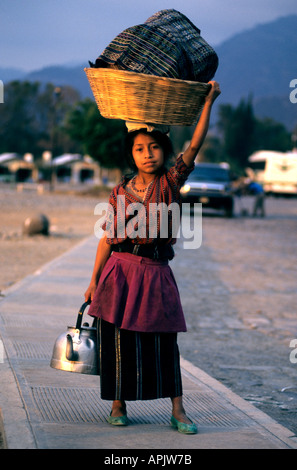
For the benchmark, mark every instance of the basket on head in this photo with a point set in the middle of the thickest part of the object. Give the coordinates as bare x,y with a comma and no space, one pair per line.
132,96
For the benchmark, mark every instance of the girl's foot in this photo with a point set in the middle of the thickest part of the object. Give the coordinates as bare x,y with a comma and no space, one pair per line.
118,415
118,409
179,419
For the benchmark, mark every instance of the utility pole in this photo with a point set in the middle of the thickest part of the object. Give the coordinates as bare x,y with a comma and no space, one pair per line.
57,94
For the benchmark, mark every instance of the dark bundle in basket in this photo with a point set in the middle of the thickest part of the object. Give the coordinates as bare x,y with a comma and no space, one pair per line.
168,44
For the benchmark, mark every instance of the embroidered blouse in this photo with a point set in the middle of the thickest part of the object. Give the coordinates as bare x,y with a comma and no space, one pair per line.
157,216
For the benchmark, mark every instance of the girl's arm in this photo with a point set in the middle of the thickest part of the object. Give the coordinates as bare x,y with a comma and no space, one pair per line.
202,126
102,255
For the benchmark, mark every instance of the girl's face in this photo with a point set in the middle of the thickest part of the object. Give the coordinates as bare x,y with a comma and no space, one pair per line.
148,155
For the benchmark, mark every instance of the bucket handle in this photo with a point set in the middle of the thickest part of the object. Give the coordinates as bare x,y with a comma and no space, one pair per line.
71,355
80,314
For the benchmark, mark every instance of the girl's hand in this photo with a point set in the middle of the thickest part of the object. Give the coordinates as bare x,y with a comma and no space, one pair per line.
90,292
214,92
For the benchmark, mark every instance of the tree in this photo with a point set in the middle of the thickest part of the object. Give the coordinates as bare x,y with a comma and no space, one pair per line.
32,117
211,150
242,134
18,127
103,139
271,135
52,107
237,126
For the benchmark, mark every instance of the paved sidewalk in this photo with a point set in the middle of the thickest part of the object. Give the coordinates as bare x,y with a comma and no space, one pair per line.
44,408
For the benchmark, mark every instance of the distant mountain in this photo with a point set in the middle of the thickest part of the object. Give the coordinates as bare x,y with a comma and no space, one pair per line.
59,75
278,108
9,74
63,75
259,62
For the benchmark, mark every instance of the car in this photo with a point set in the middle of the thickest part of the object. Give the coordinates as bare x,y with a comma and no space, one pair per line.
210,184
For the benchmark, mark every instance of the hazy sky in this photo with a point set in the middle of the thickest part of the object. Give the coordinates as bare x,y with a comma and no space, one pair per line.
36,33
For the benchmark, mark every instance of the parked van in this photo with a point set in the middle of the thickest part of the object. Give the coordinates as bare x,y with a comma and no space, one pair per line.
276,171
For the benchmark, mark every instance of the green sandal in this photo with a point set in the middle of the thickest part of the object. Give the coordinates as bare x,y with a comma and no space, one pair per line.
183,428
118,420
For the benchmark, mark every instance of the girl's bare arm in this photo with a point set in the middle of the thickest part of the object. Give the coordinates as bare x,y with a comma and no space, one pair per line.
102,255
202,125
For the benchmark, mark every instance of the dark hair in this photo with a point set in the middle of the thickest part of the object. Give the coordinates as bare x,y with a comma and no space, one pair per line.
162,139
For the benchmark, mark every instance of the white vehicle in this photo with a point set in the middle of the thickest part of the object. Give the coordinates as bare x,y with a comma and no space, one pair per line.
276,171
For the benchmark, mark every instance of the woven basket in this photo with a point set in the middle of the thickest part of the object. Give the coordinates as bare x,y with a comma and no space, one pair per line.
146,98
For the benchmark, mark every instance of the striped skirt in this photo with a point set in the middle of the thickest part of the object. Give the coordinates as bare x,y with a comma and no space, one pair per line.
136,365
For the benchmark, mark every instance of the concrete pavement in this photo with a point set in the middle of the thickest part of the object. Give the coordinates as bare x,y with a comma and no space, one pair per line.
43,408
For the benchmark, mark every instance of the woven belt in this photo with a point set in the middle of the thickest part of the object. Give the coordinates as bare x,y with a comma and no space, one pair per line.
158,252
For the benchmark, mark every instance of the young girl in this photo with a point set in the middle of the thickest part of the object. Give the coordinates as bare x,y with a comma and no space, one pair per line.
133,291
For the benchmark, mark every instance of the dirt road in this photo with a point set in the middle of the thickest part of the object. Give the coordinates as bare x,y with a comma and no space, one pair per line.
240,298
71,218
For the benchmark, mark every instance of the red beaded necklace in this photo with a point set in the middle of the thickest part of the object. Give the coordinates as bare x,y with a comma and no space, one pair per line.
139,190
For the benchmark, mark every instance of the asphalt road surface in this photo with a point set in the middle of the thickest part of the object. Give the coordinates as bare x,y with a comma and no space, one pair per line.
239,293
